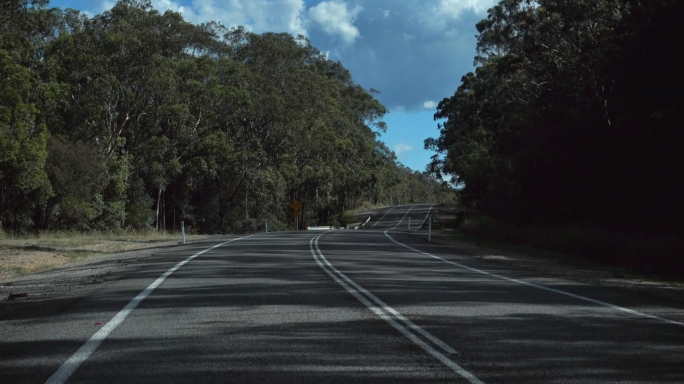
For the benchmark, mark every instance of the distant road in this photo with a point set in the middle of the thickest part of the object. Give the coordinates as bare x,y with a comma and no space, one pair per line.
374,305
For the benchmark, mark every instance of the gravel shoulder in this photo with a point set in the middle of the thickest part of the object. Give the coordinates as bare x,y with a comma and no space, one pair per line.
20,257
48,291
549,268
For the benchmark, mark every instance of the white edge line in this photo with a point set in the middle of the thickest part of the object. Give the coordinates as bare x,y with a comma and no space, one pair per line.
522,282
82,354
383,216
426,347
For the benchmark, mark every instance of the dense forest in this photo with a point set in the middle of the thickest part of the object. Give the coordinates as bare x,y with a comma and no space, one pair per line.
134,119
573,117
574,112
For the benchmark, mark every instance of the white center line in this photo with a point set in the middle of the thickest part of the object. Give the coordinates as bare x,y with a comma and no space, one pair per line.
522,282
385,312
71,365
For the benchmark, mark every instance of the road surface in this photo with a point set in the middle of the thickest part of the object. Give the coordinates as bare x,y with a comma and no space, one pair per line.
375,305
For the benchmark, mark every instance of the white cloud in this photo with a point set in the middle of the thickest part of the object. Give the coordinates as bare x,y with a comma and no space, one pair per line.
101,7
336,19
402,148
164,5
255,15
444,11
413,51
455,7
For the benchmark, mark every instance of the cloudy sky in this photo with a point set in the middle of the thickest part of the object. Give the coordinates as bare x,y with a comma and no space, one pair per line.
413,51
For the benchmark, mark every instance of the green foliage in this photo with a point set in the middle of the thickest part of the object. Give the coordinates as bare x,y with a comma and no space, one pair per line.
346,218
574,113
140,120
24,185
590,243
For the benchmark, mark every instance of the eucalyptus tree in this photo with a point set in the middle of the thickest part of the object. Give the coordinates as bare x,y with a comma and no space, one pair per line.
560,116
24,186
145,120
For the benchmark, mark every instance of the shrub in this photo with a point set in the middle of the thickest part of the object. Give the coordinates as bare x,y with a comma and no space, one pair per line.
645,252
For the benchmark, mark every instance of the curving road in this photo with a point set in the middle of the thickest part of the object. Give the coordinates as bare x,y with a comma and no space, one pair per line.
375,305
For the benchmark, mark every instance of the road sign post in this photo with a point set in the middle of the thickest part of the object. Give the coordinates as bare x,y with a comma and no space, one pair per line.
296,212
183,230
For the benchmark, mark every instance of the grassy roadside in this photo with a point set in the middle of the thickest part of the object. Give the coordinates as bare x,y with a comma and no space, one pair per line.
357,215
21,256
588,249
527,250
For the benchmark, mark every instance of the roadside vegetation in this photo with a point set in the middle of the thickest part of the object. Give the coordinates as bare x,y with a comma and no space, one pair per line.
21,255
597,248
133,119
568,134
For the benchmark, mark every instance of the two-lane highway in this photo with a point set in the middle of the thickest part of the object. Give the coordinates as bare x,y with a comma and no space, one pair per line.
372,305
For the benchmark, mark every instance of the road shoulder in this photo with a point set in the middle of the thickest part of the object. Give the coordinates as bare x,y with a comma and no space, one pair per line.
48,292
550,268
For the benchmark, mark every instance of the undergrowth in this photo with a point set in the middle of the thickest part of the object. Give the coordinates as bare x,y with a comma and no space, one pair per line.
640,253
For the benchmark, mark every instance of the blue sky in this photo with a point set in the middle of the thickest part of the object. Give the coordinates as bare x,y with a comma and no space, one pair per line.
413,51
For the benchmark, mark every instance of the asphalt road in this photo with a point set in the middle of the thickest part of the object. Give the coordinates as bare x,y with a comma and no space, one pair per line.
375,305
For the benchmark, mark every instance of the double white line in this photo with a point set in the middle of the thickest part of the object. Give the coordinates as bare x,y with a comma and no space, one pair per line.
391,316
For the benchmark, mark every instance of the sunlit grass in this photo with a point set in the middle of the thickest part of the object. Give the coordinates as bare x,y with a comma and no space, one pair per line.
77,240
23,255
365,206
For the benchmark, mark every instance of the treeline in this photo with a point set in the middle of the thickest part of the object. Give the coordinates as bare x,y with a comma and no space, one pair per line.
573,115
136,119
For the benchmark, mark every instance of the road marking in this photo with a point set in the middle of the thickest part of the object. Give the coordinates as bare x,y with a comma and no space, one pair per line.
71,365
384,305
403,217
383,216
426,216
384,311
522,282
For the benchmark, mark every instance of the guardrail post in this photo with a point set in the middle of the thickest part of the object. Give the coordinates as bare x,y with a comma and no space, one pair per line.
183,230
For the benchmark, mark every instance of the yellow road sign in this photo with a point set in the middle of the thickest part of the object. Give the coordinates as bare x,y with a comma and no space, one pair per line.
297,213
296,205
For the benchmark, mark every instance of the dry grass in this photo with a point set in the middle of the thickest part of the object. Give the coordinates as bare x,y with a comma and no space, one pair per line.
25,255
366,206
